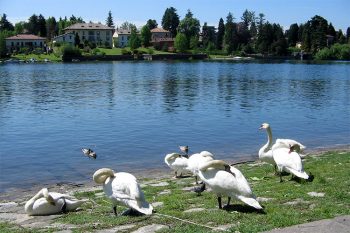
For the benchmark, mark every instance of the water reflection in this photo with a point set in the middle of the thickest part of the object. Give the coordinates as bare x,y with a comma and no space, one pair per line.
135,112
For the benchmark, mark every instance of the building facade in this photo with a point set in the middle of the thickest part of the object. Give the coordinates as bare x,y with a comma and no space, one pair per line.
24,41
121,37
96,33
162,39
65,38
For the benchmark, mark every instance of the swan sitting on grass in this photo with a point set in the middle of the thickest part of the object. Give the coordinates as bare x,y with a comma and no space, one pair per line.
287,159
46,203
226,180
176,162
122,188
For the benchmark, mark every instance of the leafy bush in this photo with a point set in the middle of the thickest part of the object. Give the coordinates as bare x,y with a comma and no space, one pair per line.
70,51
24,50
150,51
336,52
125,52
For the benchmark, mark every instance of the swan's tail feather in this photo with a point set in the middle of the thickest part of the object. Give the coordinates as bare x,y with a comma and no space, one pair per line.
102,174
250,201
302,174
144,207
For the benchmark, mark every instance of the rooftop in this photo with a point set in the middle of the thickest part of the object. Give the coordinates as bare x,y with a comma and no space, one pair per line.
159,30
88,26
25,37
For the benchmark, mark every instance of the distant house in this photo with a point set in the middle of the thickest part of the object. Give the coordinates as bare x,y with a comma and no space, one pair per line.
161,39
65,38
24,40
122,37
96,33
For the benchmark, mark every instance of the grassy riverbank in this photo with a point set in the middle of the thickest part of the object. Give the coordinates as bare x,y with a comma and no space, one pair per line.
285,204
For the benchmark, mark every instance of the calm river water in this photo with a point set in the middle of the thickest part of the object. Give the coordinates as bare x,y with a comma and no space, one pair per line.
133,113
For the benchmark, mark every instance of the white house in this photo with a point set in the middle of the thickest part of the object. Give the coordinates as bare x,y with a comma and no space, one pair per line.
93,32
65,38
122,37
24,40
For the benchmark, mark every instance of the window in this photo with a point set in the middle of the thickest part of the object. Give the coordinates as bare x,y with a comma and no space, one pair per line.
13,44
107,33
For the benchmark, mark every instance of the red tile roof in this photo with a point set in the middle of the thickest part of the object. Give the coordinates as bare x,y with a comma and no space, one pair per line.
159,30
25,37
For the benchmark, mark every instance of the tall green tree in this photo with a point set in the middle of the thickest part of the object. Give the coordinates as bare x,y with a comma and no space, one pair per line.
134,40
128,26
152,23
33,26
5,24
220,34
76,39
314,34
340,38
145,36
181,43
230,37
208,35
109,20
292,34
260,22
189,26
170,21
19,27
41,26
348,34
51,28
330,30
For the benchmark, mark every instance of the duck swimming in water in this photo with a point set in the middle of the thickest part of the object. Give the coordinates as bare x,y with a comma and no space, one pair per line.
89,153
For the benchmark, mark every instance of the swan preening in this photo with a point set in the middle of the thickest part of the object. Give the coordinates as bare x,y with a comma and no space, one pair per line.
176,162
195,160
122,188
226,180
265,152
287,159
47,203
284,153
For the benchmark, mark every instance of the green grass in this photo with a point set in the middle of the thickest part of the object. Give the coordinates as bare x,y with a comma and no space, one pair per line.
332,177
52,57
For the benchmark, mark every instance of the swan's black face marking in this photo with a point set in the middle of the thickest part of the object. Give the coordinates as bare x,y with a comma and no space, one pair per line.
228,169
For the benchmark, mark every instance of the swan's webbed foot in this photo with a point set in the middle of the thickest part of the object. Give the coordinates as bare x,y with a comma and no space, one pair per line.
281,178
115,210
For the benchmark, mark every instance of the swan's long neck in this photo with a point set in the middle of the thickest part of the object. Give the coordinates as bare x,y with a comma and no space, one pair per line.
102,174
269,143
214,164
29,205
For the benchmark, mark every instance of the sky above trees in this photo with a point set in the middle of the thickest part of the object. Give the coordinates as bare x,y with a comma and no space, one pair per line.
139,11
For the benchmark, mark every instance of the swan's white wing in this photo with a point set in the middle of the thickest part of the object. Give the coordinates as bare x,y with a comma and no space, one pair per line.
180,163
42,207
123,188
286,143
290,162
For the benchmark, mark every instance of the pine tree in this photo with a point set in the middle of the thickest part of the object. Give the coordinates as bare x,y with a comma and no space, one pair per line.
220,35
109,20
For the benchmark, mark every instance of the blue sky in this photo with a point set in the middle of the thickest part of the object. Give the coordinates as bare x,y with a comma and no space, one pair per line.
284,12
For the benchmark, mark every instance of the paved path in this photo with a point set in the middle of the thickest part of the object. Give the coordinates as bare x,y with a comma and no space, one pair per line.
339,224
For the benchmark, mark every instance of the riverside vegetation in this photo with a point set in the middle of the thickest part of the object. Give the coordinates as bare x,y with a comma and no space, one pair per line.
288,203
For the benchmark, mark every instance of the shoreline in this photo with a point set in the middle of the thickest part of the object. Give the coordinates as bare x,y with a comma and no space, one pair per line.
20,195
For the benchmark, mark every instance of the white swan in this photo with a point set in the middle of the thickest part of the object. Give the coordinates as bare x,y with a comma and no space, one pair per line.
122,188
265,152
176,162
46,203
195,160
288,160
226,180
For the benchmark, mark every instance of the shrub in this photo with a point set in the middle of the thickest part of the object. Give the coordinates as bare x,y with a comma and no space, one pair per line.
150,51
125,52
69,51
24,50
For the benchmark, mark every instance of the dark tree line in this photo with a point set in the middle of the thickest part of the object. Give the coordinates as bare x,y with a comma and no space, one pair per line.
249,34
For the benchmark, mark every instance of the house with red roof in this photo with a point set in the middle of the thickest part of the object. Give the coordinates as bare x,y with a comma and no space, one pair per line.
24,40
162,38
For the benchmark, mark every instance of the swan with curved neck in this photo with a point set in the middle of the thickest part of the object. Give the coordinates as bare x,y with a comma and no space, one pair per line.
47,203
176,162
226,180
265,152
195,160
122,188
